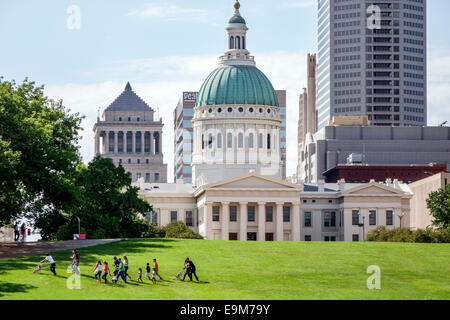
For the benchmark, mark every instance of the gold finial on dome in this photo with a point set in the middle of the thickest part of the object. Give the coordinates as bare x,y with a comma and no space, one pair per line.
237,5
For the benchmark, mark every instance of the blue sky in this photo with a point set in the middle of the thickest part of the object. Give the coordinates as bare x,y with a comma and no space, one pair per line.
165,47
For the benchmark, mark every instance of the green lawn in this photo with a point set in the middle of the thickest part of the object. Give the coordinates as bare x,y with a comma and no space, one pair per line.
244,270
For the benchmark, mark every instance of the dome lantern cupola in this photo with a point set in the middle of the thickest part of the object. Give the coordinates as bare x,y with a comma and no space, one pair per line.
237,52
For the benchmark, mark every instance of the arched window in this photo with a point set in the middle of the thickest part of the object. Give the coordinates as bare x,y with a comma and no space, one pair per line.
231,42
268,141
260,140
238,42
240,140
243,42
250,140
210,141
229,140
219,140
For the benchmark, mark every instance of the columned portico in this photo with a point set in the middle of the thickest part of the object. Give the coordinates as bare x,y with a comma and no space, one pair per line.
243,221
261,221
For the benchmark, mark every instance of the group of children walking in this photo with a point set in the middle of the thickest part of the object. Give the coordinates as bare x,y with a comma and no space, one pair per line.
120,269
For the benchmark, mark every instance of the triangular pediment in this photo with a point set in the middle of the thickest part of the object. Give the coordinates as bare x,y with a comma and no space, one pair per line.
253,181
373,188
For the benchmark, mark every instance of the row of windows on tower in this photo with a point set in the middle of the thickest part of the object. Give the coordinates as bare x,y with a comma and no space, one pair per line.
148,177
129,119
127,138
240,141
237,42
138,161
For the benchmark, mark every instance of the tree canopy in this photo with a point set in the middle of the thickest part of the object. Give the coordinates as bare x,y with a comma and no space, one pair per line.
38,150
439,204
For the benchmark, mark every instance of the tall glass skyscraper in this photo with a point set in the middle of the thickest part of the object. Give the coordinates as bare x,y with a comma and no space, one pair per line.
372,61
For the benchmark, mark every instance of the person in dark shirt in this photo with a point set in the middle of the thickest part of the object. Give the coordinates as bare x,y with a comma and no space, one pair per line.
190,269
16,232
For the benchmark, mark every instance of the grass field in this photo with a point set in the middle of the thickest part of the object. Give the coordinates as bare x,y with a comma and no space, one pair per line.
243,270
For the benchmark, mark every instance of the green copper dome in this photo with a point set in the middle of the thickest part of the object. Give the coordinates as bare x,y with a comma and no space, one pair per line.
237,84
236,19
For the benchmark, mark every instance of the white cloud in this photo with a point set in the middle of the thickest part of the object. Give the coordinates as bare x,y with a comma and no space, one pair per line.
438,87
172,13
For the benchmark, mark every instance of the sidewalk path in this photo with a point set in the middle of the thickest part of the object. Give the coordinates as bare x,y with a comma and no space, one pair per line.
15,250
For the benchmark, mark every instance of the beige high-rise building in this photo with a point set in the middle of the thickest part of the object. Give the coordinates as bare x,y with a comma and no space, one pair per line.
307,122
128,134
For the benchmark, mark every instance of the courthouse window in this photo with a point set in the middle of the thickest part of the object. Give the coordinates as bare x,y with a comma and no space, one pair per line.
216,213
269,213
355,217
233,213
251,213
372,217
389,218
286,214
189,218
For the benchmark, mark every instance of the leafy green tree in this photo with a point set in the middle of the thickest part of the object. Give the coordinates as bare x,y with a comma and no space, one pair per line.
38,151
439,204
106,202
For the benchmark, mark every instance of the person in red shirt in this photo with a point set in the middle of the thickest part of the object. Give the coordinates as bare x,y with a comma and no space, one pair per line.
155,266
105,272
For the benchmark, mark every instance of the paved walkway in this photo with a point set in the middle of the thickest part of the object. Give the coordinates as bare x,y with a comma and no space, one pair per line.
14,250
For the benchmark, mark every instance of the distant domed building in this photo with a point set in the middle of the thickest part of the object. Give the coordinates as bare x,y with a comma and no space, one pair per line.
237,191
237,116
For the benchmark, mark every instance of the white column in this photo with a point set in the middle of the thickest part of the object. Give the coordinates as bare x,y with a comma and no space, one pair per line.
125,146
142,142
279,222
133,148
261,221
151,142
116,142
225,220
296,221
243,221
207,219
97,143
106,142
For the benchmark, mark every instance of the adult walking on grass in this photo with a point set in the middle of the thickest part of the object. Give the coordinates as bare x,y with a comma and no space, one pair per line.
122,271
50,260
190,269
98,271
156,268
125,263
